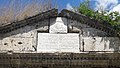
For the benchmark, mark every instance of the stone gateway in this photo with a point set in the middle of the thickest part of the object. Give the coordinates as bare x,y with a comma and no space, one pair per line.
52,32
59,40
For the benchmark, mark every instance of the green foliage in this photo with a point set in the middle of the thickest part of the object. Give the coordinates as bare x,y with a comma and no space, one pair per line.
112,18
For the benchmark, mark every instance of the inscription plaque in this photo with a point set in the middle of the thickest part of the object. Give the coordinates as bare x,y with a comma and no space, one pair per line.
58,42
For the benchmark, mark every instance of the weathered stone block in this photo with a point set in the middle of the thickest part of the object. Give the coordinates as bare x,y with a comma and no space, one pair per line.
59,26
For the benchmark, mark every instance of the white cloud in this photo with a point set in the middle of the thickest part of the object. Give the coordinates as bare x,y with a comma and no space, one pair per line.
69,7
116,8
105,4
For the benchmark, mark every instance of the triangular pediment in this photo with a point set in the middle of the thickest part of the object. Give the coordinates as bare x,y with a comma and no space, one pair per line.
58,27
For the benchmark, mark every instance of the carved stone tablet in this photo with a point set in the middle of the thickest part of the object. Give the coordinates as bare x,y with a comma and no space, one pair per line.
58,42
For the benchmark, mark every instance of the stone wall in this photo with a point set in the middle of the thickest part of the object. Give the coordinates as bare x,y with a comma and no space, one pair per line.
85,30
92,39
25,39
101,44
60,60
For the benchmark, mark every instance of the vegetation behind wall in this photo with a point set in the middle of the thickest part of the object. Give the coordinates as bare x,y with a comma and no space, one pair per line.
17,9
105,17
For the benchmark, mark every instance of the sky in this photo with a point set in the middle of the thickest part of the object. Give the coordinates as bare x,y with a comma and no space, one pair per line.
112,5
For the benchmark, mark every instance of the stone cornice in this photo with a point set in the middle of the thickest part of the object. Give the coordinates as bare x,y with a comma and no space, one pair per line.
88,21
28,21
